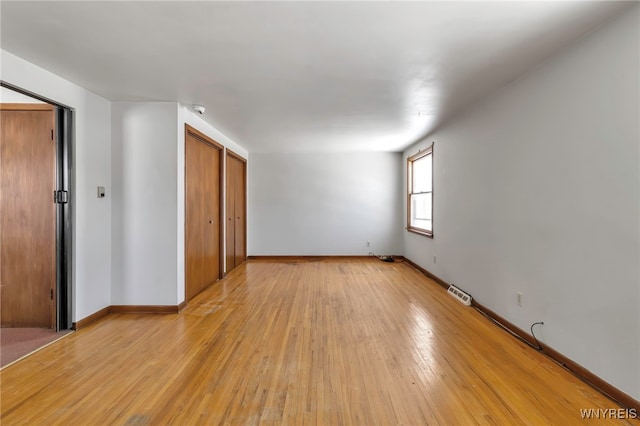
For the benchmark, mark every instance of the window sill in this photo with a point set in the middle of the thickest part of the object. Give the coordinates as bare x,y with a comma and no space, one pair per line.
428,234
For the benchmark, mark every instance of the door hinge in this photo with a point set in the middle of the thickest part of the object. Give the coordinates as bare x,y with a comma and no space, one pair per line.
51,294
60,197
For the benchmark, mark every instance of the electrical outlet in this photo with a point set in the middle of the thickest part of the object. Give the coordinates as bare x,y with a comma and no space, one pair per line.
368,244
434,259
519,298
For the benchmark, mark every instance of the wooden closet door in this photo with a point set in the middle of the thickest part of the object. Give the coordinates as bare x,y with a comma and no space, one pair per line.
212,215
202,212
230,213
240,212
236,211
28,237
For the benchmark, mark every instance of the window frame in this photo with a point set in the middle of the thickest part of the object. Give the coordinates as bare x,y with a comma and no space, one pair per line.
410,160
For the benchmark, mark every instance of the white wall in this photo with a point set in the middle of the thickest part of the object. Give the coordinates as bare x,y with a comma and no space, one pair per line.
324,203
8,96
92,168
538,191
145,188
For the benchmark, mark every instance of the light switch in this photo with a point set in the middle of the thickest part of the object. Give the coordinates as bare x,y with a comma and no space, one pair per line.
101,192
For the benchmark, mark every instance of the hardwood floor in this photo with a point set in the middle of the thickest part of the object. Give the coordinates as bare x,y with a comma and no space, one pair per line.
311,342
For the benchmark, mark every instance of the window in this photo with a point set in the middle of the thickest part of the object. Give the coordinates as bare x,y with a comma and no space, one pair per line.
420,192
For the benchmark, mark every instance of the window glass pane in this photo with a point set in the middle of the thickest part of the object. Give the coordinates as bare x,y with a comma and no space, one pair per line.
422,174
421,206
423,224
421,211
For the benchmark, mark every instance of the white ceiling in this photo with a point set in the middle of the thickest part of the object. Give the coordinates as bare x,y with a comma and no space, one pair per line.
310,76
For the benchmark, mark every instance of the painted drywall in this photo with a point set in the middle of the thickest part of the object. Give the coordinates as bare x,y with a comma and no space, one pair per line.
8,96
537,190
91,168
144,181
324,203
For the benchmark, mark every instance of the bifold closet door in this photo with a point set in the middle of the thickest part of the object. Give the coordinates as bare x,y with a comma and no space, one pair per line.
236,210
202,197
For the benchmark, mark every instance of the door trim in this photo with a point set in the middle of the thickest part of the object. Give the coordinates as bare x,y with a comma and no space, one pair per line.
237,156
64,219
26,107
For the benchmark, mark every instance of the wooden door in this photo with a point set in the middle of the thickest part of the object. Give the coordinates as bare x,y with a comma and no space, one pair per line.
28,236
240,212
236,210
202,210
230,213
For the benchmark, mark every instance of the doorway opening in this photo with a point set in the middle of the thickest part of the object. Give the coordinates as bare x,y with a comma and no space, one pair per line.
36,214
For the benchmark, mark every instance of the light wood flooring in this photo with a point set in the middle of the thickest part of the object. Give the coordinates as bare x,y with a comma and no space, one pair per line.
329,342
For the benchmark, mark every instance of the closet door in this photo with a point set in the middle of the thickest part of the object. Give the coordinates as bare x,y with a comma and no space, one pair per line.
230,216
236,210
202,211
240,212
212,215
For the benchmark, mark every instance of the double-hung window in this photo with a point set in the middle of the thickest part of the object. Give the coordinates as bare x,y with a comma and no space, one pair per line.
420,192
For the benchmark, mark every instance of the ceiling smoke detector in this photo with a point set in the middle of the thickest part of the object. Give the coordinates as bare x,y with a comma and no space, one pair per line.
198,108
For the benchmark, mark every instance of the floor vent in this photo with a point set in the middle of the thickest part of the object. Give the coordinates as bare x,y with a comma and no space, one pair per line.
462,297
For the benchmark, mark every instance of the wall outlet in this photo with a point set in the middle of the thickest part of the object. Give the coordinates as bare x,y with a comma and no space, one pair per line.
434,259
368,244
519,298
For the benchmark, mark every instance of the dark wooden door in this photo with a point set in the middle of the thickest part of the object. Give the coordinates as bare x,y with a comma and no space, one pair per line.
27,239
202,191
236,210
